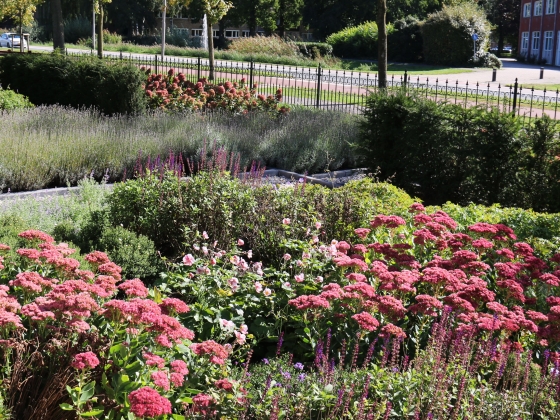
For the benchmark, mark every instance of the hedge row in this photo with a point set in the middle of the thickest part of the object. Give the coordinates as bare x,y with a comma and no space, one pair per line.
443,152
48,79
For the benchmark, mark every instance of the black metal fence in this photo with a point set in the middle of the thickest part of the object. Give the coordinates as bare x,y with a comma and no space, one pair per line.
347,90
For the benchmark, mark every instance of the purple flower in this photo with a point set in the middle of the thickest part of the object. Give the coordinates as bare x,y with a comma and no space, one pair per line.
265,361
301,377
286,375
298,366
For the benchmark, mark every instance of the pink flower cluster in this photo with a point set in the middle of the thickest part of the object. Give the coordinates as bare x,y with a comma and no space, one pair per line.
484,276
216,352
147,402
86,360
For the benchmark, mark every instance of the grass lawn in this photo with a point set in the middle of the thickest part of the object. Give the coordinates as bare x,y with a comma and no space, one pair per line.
541,86
333,64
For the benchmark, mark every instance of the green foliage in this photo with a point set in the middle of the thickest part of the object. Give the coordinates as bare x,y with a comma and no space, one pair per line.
10,100
447,34
314,50
85,82
77,28
404,44
171,212
355,41
443,152
111,38
273,45
135,254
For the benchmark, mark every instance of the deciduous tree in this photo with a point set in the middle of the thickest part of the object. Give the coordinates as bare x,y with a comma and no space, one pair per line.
21,12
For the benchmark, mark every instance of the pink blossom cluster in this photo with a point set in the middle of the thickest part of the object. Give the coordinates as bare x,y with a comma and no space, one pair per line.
147,402
87,360
485,276
216,352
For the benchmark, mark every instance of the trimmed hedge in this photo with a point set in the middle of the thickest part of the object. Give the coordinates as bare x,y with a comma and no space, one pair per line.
443,152
48,79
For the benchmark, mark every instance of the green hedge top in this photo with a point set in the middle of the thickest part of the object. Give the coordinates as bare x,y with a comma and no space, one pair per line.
48,79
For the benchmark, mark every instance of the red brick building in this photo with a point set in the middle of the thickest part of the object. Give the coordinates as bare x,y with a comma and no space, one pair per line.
539,31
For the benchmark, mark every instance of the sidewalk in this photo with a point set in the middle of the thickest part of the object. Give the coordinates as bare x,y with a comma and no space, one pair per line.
526,74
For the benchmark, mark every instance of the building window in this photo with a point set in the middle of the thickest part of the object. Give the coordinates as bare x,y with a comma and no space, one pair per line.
548,40
538,8
232,34
196,32
216,33
536,41
245,34
525,41
550,7
527,10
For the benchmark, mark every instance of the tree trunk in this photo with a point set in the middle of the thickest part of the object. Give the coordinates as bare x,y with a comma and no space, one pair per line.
58,25
500,40
210,51
100,31
382,43
252,23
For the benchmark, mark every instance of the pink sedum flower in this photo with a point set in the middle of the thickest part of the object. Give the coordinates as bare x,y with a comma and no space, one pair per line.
146,402
87,360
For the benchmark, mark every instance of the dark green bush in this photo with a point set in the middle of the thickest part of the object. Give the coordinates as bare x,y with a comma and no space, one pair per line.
443,152
356,41
84,82
404,44
314,49
171,212
447,34
77,28
11,100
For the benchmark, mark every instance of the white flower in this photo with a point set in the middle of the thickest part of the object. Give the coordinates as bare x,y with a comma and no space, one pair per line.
205,250
258,287
287,285
205,235
244,329
319,279
228,325
300,277
267,292
250,254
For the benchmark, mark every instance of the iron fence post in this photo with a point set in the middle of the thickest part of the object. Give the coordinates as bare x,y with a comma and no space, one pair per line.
251,67
405,78
318,103
198,73
514,95
156,65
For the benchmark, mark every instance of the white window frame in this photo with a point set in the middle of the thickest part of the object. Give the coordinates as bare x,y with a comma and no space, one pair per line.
245,33
527,10
538,8
216,33
524,41
550,7
536,42
196,32
233,33
548,41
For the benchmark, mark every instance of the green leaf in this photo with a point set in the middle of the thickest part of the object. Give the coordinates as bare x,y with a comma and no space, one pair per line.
92,413
87,391
66,407
178,417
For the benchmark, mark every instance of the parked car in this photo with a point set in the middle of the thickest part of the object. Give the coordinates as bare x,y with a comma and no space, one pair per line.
11,40
505,50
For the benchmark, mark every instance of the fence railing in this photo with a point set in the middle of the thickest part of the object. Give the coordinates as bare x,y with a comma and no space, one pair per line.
347,90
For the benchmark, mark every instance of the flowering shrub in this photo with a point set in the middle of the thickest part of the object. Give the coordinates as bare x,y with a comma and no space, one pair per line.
175,92
112,354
